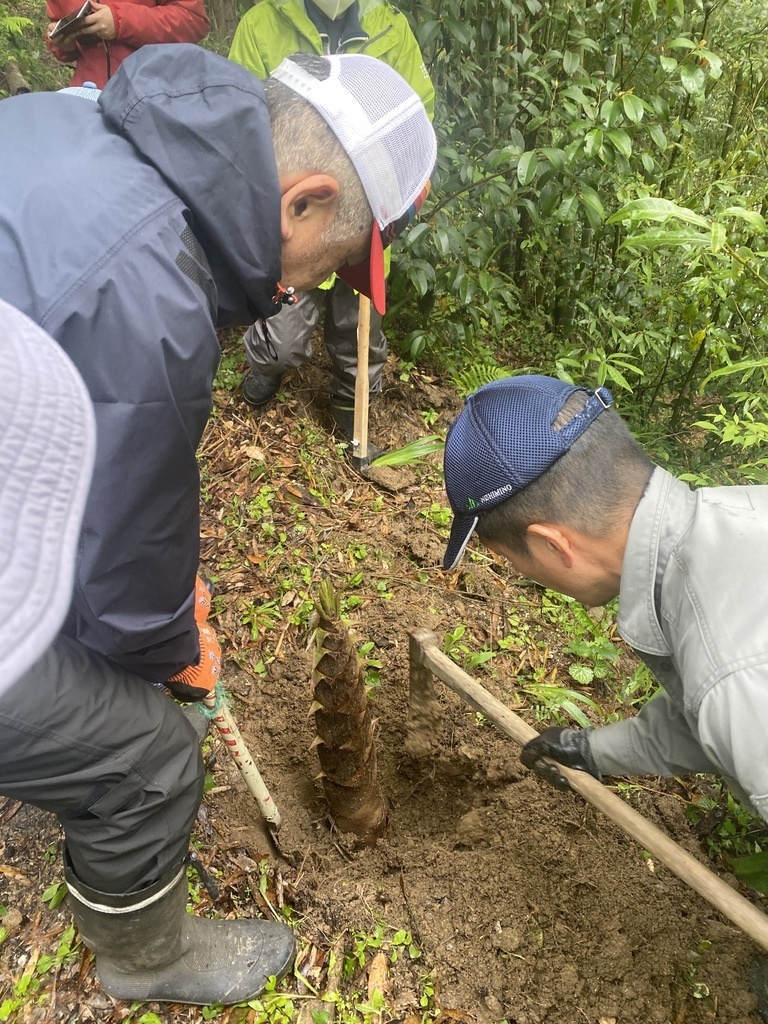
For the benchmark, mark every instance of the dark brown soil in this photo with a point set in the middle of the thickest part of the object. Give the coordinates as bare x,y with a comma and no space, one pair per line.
526,904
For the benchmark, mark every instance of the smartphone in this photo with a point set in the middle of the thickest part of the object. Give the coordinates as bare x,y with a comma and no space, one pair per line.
72,22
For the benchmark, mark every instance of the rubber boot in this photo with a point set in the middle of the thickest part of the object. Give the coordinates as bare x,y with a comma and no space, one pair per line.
149,949
199,722
259,389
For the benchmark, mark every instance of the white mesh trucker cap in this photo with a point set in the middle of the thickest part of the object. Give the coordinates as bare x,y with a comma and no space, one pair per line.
384,129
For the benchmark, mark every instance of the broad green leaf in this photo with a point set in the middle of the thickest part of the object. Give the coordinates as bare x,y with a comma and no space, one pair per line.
668,64
657,134
633,107
753,870
417,231
609,112
459,30
591,200
566,211
657,209
718,236
621,142
681,42
526,167
712,63
426,32
583,674
442,241
648,164
573,92
571,61
556,157
593,142
693,79
419,280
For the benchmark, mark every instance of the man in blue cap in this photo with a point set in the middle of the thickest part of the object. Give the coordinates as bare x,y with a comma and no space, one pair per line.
549,477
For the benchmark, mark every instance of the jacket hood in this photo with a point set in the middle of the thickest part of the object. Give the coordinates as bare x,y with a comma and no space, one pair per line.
202,122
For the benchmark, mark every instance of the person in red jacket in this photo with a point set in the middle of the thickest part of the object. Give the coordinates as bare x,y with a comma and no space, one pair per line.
114,30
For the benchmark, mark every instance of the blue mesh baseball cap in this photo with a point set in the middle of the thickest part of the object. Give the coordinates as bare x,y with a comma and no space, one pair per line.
502,441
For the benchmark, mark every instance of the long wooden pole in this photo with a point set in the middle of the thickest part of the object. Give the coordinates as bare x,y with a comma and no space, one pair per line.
362,384
700,878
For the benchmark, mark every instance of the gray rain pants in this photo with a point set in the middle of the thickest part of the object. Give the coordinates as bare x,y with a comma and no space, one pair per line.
291,329
111,756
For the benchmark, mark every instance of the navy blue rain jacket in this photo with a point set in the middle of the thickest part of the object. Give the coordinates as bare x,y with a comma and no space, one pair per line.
129,229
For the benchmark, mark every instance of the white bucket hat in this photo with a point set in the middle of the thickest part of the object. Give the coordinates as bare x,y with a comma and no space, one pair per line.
47,443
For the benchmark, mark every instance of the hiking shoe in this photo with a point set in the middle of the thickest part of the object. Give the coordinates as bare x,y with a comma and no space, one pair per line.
259,389
343,413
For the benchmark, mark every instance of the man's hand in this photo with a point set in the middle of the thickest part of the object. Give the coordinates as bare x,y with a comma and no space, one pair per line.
195,682
569,747
100,24
66,43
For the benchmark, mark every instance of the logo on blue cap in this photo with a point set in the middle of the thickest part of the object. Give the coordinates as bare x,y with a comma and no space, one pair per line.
503,440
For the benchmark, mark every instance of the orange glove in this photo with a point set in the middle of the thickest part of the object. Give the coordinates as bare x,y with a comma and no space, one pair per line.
195,682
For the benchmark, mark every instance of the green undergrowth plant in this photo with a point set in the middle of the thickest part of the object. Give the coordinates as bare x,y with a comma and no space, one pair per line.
30,993
731,830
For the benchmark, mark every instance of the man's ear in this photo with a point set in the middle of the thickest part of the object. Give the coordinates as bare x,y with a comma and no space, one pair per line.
551,541
308,202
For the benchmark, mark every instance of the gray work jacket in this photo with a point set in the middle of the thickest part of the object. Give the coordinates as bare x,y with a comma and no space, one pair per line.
693,606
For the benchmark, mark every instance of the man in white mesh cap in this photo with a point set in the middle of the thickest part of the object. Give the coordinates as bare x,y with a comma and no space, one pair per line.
190,196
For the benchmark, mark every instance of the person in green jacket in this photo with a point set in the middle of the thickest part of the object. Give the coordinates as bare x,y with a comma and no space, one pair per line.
269,32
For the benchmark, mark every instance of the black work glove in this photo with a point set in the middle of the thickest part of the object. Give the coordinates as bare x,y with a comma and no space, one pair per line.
566,746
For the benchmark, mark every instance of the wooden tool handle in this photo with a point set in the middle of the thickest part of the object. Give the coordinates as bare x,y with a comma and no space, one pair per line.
362,386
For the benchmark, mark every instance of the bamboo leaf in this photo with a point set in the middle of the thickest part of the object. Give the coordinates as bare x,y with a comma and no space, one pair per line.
659,210
411,453
752,217
727,371
657,237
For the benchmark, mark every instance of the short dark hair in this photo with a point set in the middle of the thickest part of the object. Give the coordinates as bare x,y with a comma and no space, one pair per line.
591,487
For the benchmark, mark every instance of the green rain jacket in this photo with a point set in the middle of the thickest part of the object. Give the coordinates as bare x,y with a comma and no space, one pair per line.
274,29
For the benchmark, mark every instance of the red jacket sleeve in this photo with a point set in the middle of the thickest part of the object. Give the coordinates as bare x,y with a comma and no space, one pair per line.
175,21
